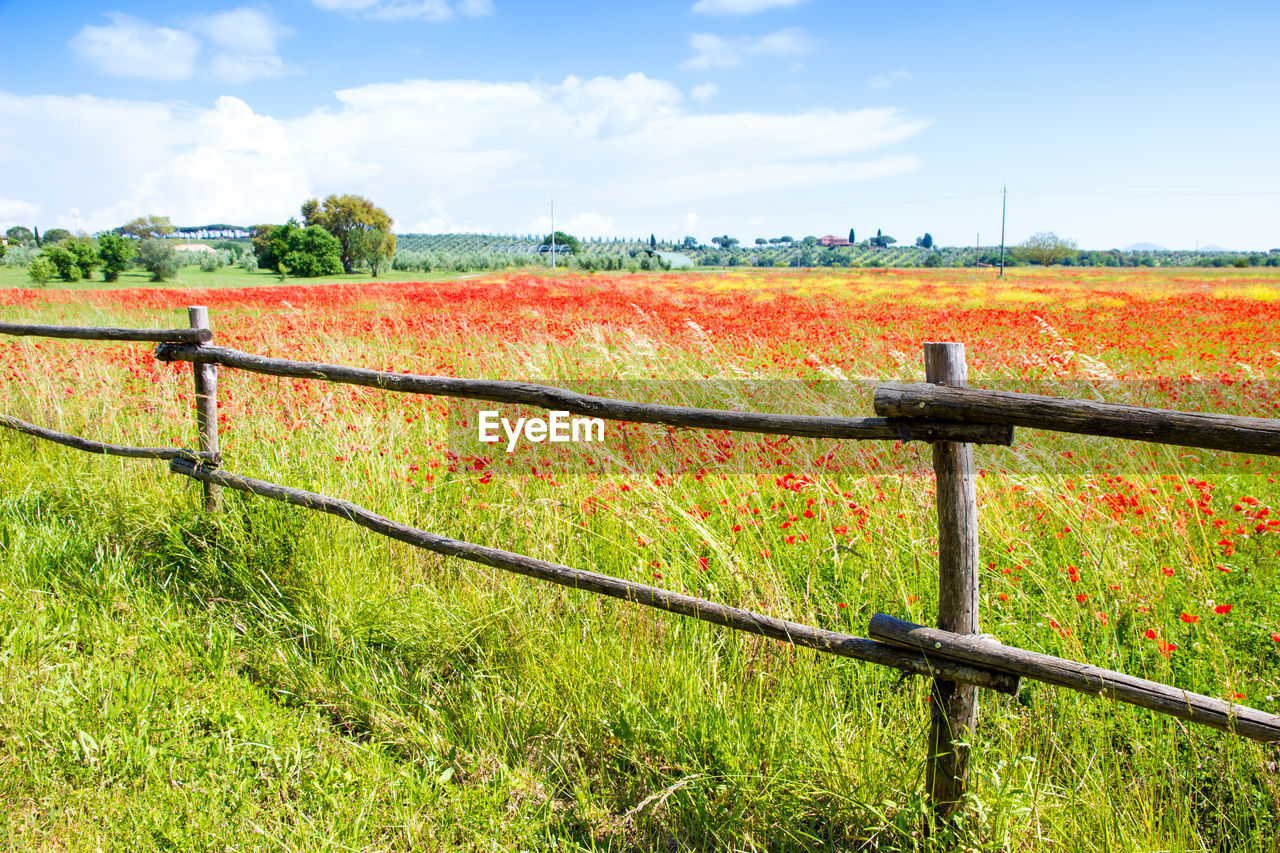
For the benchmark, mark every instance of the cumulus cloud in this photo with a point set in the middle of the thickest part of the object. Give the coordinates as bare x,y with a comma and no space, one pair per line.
704,92
740,7
14,212
884,81
619,154
130,47
240,45
715,51
400,10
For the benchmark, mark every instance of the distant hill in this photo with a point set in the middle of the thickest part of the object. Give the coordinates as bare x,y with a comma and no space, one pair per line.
1145,247
1212,248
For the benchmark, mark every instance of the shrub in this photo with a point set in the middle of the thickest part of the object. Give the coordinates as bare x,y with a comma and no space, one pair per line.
20,256
234,249
115,252
73,259
157,258
249,262
212,261
312,252
40,270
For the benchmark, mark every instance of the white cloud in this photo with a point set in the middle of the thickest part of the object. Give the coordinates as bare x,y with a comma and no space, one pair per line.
243,43
620,155
884,81
244,68
402,10
129,47
740,7
242,30
14,212
704,92
476,8
714,51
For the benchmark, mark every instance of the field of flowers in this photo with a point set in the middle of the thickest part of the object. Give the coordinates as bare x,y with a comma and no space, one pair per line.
272,678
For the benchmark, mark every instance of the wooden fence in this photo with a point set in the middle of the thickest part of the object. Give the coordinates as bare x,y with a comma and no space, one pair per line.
942,411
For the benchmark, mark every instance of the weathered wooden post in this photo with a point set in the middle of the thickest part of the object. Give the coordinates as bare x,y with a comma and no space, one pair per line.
206,382
954,707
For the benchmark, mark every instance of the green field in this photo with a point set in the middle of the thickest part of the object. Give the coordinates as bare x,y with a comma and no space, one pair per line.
272,679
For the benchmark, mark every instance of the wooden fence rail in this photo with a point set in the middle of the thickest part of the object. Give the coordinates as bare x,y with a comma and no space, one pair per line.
90,446
978,651
638,593
944,412
1086,417
548,397
98,333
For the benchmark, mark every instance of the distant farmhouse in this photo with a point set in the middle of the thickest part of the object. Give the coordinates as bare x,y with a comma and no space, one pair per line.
832,240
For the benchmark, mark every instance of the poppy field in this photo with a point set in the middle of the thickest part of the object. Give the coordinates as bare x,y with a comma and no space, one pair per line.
272,679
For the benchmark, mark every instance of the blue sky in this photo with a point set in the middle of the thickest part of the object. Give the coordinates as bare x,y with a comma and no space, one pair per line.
1111,123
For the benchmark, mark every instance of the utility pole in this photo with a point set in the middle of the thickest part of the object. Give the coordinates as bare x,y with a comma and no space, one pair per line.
1004,203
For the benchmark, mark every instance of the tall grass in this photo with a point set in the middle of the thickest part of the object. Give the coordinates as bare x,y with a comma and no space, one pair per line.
270,679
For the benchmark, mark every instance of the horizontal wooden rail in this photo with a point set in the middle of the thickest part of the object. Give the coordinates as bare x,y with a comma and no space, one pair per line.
96,333
545,396
1165,426
976,651
90,446
697,608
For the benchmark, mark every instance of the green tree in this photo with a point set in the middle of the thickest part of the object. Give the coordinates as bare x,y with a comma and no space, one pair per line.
269,246
157,258
64,263
311,252
343,217
653,242
373,247
925,242
881,241
147,226
115,252
760,241
1046,248
563,239
73,259
54,236
40,270
20,235
85,254
725,241
852,239
689,243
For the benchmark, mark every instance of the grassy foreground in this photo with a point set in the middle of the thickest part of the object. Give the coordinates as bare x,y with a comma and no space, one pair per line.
276,680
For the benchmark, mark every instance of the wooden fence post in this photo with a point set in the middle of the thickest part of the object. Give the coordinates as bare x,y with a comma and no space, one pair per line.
953,707
206,383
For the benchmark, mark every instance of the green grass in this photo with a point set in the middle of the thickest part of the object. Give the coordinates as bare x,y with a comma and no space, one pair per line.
275,679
